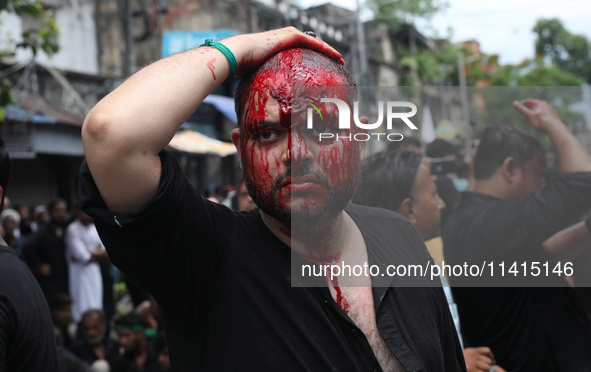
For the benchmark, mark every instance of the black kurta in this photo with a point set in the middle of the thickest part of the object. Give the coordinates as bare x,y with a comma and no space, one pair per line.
534,328
223,282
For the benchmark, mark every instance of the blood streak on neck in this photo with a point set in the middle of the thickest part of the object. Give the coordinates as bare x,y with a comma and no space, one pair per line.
340,299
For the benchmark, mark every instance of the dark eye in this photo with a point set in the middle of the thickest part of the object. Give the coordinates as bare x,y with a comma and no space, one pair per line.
321,129
329,127
268,135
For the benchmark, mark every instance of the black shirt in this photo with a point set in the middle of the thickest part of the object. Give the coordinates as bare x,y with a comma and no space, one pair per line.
27,339
528,329
84,351
70,363
45,247
126,363
223,282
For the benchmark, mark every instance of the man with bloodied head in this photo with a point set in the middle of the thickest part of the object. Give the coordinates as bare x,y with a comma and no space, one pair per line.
224,278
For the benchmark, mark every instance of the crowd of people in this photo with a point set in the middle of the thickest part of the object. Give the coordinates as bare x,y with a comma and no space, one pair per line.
56,297
219,269
63,251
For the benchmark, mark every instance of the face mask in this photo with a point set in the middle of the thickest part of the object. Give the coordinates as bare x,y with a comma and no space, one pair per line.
461,184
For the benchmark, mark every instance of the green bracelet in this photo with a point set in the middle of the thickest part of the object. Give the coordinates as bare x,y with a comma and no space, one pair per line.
227,52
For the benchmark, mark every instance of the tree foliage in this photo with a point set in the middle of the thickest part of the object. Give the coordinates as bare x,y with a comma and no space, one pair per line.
535,79
535,72
415,65
43,38
568,51
427,65
398,12
562,65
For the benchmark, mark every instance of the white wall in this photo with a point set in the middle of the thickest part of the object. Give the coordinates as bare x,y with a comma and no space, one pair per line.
77,37
10,29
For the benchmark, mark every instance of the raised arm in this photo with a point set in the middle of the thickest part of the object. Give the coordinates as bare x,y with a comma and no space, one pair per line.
568,243
572,156
126,130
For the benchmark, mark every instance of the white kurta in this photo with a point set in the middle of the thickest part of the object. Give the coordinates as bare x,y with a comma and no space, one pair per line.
86,285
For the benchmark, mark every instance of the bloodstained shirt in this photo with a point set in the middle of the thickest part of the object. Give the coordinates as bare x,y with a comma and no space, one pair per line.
223,282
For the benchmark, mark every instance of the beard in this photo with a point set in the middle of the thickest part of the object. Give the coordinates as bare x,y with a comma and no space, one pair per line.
314,216
97,340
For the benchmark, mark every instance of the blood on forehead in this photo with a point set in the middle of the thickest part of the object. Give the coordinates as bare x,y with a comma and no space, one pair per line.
290,69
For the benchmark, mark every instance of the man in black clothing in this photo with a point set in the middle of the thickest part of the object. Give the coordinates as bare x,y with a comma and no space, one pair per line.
440,149
68,361
161,347
511,218
60,307
223,278
137,356
45,252
96,344
401,181
27,341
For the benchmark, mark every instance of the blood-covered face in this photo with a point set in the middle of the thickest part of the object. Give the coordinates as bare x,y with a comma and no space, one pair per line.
289,171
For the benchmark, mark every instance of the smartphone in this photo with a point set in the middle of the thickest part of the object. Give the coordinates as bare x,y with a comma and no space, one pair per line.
444,165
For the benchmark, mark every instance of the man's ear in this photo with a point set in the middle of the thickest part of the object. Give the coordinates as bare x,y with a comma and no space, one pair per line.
508,169
364,120
405,209
235,134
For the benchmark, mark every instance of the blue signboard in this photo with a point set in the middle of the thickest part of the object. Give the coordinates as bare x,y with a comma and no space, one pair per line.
178,41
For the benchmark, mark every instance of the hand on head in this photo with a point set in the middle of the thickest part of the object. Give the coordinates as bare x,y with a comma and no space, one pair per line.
261,46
